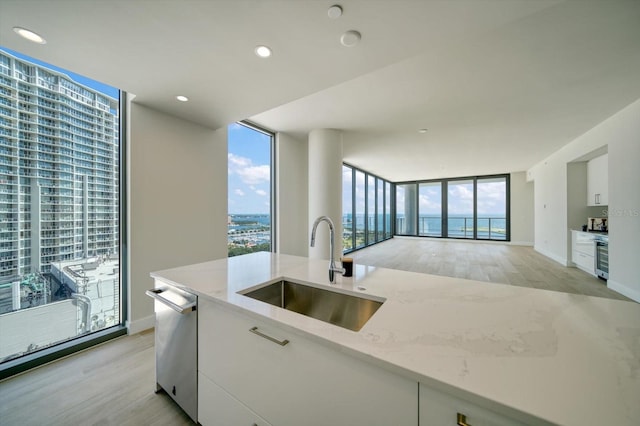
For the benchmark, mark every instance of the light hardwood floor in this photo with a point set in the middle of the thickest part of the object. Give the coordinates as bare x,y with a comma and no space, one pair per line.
110,384
490,262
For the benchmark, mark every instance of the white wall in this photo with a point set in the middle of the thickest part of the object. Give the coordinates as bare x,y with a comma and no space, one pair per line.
177,199
521,206
292,236
621,133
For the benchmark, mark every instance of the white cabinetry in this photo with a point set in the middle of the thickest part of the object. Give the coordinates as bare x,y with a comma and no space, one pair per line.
598,181
583,251
301,383
437,408
217,408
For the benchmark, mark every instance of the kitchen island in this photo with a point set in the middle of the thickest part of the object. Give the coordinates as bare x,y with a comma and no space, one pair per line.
505,354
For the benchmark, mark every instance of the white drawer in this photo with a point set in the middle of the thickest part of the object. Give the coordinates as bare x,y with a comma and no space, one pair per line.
217,408
585,261
584,243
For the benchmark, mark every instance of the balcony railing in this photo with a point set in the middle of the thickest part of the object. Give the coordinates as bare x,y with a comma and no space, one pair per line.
489,228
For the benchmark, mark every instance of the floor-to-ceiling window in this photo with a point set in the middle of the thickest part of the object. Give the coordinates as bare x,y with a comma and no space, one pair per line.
468,208
61,165
430,209
250,204
347,208
380,213
388,214
492,208
359,209
366,209
460,213
406,209
371,209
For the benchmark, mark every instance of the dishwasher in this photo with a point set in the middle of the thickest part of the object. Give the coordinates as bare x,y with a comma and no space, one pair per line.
176,345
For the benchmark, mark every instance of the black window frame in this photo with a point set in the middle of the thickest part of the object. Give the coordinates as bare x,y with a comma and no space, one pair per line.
384,234
79,343
272,177
444,206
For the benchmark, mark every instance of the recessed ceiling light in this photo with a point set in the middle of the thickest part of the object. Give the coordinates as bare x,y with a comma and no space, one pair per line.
182,98
350,38
335,11
422,131
263,51
29,35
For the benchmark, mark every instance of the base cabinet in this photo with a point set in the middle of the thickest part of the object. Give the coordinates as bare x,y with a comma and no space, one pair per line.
583,251
218,408
439,409
300,383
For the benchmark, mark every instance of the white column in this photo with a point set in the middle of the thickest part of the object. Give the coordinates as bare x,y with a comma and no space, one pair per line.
325,189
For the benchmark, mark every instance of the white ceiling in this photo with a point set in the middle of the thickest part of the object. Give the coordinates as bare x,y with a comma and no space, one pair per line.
500,84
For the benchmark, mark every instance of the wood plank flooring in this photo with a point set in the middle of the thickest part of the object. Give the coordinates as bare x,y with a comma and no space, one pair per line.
110,384
490,262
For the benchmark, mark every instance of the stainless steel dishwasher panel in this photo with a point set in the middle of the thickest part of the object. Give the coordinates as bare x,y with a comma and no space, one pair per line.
176,346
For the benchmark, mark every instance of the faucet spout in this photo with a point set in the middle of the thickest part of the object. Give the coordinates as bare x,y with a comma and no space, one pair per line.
332,266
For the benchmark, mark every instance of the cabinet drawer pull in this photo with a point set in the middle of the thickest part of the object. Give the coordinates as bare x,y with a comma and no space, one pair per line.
254,330
462,420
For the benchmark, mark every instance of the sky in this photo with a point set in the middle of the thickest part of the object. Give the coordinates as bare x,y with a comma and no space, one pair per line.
249,170
101,87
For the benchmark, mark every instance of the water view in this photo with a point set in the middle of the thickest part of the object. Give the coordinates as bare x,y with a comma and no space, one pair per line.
248,233
491,227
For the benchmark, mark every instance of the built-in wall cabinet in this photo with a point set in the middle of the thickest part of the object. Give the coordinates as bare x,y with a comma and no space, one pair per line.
598,181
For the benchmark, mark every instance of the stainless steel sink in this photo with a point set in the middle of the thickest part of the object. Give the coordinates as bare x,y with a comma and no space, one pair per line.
340,309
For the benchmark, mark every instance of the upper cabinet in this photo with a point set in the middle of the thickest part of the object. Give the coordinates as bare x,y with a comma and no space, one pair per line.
598,181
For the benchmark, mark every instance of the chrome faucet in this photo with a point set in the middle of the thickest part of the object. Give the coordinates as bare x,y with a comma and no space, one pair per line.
332,265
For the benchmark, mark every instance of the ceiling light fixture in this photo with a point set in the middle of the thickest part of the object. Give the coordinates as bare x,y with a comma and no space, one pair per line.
263,51
350,38
422,131
335,11
29,35
182,98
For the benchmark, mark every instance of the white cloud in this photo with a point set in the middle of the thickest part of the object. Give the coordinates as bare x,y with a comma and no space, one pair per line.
463,191
239,192
430,204
247,171
261,192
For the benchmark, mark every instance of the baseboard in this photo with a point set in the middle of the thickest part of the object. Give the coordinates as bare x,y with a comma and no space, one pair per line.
141,324
521,243
552,256
624,290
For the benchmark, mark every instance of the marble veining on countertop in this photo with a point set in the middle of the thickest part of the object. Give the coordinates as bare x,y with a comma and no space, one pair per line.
547,357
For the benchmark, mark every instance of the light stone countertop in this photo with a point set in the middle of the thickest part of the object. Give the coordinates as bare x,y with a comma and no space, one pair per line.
538,356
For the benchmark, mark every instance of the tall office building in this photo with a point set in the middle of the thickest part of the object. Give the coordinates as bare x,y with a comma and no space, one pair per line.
59,177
